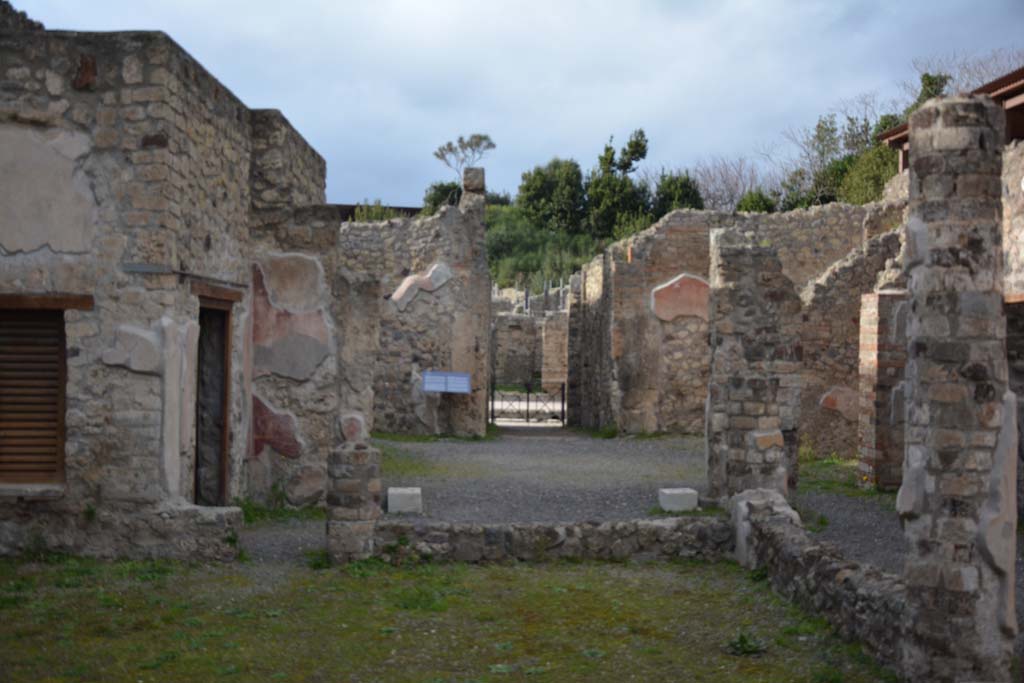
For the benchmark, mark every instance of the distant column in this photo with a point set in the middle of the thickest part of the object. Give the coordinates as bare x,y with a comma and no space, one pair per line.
754,391
958,497
883,356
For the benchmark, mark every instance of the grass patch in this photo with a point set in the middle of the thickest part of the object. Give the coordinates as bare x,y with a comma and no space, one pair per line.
606,432
839,476
254,512
394,462
552,622
318,559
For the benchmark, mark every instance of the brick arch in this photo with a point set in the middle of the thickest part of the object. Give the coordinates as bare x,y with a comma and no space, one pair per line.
683,295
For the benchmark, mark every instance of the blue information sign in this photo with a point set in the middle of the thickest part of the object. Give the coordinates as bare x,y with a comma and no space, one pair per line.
436,382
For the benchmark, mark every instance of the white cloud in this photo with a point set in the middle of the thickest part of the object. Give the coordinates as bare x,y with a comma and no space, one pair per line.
377,86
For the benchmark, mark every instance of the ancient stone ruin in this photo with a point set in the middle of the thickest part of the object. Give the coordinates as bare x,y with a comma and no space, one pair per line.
195,322
185,322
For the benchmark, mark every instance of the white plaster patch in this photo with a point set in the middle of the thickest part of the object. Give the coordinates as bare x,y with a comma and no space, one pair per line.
432,280
294,282
46,198
137,349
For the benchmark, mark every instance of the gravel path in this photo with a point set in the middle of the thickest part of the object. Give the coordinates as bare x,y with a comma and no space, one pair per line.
529,474
544,474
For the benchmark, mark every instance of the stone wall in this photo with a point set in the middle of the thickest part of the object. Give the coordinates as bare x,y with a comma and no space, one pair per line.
595,403
829,336
1015,366
111,190
754,392
958,496
13,20
286,170
653,303
1013,219
437,316
882,414
862,603
555,350
679,537
516,348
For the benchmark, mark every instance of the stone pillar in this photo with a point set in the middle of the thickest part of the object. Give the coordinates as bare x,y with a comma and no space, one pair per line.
958,498
883,355
754,392
353,493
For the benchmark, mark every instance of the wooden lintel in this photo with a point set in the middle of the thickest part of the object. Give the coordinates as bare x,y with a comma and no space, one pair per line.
58,301
211,291
1014,298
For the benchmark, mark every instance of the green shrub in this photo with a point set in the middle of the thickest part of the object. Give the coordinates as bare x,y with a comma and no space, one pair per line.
756,201
367,212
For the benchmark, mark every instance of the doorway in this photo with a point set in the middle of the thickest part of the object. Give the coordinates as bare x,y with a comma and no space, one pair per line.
212,401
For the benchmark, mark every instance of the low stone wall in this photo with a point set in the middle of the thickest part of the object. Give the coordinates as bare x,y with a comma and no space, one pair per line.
177,531
861,602
704,537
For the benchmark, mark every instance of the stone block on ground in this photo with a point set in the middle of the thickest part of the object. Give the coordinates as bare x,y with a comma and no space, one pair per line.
678,500
405,500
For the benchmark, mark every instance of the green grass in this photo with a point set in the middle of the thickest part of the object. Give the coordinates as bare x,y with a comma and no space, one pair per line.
397,463
254,512
839,476
606,432
369,621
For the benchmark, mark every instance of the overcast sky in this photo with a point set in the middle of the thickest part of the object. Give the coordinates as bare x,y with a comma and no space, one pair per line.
377,86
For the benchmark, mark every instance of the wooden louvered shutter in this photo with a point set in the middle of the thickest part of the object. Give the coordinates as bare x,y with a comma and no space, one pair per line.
32,377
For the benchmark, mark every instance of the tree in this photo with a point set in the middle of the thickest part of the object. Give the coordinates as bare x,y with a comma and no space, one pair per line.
552,196
966,72
724,180
439,194
867,176
675,191
610,190
464,152
932,85
756,201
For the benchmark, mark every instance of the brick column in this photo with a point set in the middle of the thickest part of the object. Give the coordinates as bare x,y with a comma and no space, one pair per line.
754,392
883,355
353,493
958,498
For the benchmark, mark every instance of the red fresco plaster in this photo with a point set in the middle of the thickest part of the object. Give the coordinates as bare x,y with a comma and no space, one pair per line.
276,430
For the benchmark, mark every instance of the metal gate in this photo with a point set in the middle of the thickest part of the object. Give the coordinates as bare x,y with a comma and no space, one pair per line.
527,403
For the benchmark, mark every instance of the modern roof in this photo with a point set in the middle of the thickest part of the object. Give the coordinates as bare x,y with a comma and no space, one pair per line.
1008,89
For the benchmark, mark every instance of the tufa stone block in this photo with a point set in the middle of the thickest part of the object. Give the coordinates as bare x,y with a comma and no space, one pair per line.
677,500
405,500
473,180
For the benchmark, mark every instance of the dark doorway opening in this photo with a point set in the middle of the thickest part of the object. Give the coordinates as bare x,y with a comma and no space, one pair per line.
212,394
